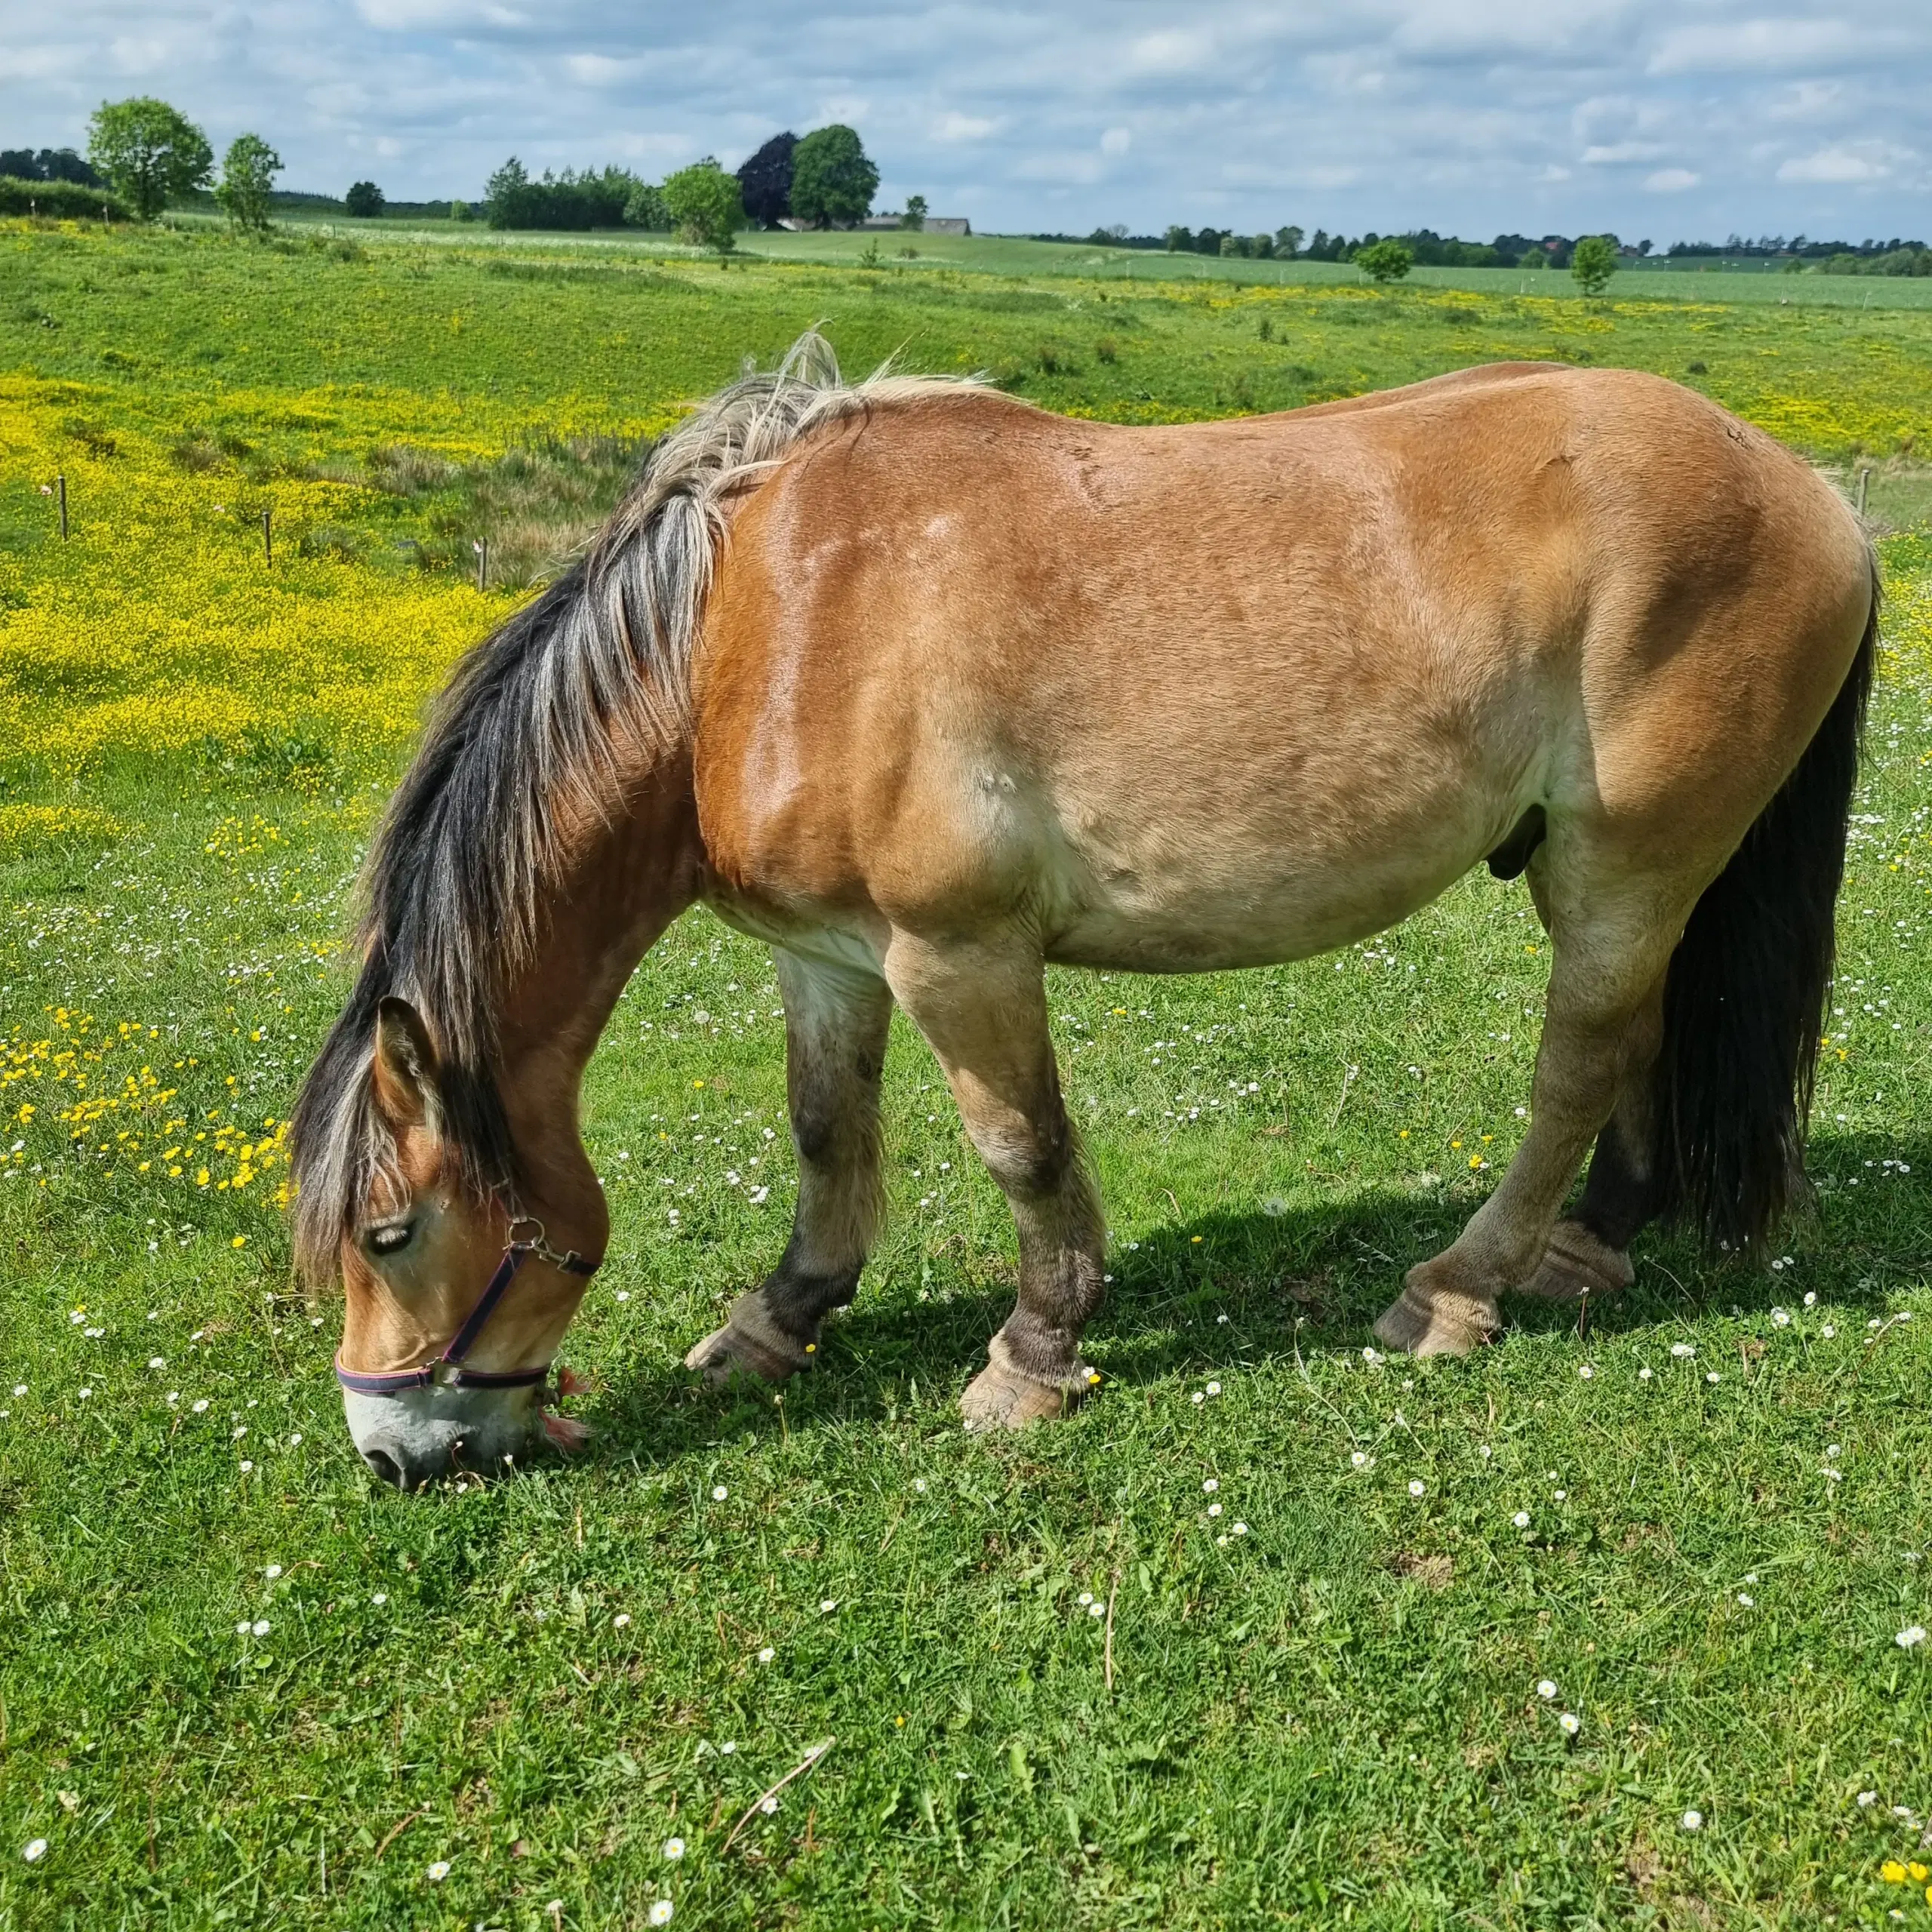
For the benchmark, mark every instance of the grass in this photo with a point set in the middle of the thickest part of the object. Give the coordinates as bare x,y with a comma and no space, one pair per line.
1333,1717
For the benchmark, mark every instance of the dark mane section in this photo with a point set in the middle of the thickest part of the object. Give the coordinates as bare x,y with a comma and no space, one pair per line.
522,741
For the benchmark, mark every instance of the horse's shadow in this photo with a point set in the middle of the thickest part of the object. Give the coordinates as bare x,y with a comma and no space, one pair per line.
1227,1290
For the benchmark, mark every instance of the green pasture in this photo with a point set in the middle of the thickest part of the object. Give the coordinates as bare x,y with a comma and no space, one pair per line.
1020,255
1261,1637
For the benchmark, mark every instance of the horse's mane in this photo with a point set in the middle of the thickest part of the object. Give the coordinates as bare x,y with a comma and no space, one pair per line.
523,739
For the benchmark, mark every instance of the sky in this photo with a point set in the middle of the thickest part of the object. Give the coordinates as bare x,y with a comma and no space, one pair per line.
1659,119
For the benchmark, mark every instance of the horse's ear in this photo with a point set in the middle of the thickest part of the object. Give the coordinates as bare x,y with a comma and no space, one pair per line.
404,1069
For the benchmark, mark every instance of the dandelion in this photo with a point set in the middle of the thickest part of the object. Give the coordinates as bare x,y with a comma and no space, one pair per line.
1418,1488
1571,1723
35,1851
438,1872
1694,1821
1483,1452
660,1913
674,1849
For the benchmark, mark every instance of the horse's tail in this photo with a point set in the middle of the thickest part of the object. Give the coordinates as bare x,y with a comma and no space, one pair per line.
1745,1000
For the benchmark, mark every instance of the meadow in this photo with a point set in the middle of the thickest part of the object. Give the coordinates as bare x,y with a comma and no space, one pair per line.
1613,1625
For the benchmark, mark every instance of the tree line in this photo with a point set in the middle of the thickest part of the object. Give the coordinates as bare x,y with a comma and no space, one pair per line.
825,178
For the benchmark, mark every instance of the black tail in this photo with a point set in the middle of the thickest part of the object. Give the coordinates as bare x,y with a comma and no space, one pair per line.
1744,1004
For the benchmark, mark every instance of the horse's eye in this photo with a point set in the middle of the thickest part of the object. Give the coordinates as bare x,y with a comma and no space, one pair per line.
391,1240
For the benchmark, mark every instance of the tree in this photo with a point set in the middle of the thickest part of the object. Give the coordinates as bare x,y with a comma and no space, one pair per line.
704,202
1385,260
150,154
247,179
1179,241
645,209
364,201
915,217
1593,263
765,181
1287,243
831,179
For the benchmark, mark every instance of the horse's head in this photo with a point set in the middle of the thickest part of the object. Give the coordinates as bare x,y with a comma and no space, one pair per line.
455,1294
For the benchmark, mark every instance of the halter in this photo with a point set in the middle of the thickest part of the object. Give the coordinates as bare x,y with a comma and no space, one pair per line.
447,1371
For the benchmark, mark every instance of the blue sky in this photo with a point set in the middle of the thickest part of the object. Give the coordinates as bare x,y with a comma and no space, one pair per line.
1665,119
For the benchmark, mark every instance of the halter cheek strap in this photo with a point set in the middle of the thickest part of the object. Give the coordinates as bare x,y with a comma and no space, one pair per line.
447,1371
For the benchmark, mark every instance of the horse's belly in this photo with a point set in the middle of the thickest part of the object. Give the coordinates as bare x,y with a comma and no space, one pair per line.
1252,897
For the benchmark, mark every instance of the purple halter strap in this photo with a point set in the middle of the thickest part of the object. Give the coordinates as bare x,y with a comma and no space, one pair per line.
447,1371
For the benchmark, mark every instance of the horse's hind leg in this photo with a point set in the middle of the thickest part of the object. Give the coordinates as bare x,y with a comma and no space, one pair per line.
1587,1252
835,1024
983,1008
1610,954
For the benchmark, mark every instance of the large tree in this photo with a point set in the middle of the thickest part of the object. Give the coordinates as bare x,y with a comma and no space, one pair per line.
247,179
703,201
149,153
831,179
364,201
765,181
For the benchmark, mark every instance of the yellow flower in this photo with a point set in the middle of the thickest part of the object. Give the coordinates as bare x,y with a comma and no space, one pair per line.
240,1241
1892,1871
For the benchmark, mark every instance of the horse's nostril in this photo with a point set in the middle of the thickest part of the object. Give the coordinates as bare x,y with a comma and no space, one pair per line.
385,1465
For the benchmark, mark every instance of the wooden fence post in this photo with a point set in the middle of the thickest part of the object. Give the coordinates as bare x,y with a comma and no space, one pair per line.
268,539
1864,484
480,545
62,480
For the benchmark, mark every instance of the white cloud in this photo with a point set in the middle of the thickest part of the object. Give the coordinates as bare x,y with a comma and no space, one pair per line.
1839,166
1671,180
1621,151
1731,46
954,127
1116,140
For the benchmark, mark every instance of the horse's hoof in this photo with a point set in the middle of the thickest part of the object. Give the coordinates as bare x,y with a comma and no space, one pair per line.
749,1343
1420,1323
1001,1397
1575,1263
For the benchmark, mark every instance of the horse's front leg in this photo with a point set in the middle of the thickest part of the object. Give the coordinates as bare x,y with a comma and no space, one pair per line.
983,1007
835,1023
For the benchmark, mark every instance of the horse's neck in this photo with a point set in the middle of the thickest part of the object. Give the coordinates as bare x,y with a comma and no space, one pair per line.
631,876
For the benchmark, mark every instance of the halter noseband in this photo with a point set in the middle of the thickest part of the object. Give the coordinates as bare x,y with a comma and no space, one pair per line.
447,1371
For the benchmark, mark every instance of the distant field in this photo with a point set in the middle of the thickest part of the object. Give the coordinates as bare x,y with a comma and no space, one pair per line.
241,1684
1016,255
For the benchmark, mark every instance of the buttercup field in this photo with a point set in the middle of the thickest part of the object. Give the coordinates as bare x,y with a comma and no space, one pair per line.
1621,1621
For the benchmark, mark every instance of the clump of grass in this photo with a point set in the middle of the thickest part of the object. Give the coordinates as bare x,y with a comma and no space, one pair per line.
1108,350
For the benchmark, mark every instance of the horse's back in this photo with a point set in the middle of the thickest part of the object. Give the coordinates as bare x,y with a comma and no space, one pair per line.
1248,688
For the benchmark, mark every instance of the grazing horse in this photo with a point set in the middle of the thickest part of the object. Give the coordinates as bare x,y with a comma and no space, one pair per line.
927,687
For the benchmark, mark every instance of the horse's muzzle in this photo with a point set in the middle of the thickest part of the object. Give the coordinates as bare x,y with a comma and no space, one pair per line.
421,1435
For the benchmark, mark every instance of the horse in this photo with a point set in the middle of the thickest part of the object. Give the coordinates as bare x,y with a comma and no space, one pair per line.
927,687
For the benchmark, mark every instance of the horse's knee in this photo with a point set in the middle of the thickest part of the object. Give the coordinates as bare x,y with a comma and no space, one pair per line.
1029,1158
